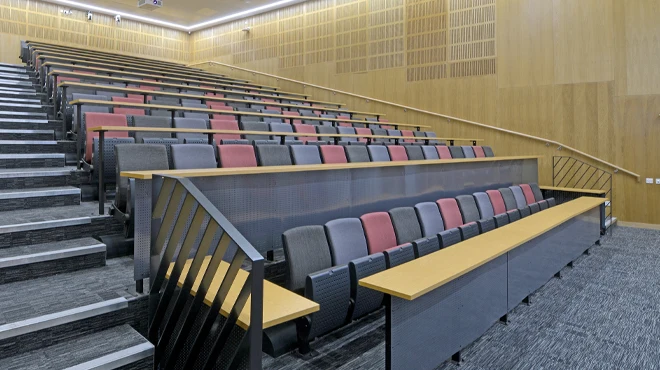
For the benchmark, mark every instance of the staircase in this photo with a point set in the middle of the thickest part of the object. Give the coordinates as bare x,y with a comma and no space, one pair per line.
64,303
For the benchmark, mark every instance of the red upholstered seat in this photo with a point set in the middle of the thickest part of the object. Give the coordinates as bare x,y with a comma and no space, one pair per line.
363,131
149,88
443,152
62,79
232,156
217,124
102,119
529,194
138,97
379,231
333,154
397,153
387,127
305,129
292,114
212,104
497,201
407,133
383,120
345,124
209,94
279,109
451,215
478,152
129,111
119,99
224,117
268,100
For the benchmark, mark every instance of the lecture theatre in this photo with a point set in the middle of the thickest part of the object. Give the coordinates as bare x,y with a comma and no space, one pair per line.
329,184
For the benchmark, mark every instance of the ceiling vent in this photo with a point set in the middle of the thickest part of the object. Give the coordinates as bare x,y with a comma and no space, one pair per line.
150,4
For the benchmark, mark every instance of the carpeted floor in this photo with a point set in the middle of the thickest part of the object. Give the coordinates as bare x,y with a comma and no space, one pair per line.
603,314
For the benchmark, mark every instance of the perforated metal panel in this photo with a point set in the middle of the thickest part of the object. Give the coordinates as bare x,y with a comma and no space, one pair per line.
331,290
366,300
142,233
430,329
399,255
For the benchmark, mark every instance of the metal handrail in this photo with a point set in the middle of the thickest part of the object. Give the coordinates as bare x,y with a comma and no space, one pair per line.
188,224
451,118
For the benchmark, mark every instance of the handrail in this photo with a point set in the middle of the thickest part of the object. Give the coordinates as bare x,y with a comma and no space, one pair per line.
547,141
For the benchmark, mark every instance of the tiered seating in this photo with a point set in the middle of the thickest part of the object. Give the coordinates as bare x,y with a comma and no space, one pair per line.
325,263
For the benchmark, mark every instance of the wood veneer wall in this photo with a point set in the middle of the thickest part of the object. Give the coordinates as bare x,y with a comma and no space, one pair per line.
583,73
42,21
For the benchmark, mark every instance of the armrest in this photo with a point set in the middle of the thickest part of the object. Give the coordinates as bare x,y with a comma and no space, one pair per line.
534,208
486,225
524,212
551,202
399,255
366,300
514,215
425,246
449,237
331,289
469,230
501,220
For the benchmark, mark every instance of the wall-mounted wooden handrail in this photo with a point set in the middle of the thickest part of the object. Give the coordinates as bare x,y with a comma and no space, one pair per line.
547,141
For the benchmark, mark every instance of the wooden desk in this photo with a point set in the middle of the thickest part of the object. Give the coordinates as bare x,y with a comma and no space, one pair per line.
173,109
128,90
280,305
440,303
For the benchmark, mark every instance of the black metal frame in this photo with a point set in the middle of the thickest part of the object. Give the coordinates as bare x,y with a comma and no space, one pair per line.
190,226
566,175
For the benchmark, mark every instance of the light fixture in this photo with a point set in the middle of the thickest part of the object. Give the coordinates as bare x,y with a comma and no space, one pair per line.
241,14
123,14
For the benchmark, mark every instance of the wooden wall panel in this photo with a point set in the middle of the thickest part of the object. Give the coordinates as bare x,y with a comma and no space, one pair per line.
642,46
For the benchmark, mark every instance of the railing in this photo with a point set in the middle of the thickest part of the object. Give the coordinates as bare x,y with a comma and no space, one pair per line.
407,108
569,172
205,309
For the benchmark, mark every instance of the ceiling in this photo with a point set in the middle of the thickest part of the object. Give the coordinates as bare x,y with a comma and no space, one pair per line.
182,14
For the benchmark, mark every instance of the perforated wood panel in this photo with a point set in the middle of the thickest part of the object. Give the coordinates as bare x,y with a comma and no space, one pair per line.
472,37
426,29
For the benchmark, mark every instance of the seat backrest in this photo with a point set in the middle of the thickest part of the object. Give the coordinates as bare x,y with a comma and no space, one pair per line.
393,133
397,153
273,155
443,152
406,225
451,215
128,111
518,196
499,207
362,131
468,152
538,195
333,154
120,99
357,154
478,152
347,131
130,157
379,231
307,129
468,208
430,152
93,119
414,152
306,251
380,132
456,152
509,199
378,153
292,114
281,127
326,130
305,154
255,126
217,124
151,121
193,103
231,156
484,205
192,156
191,123
528,193
204,116
408,133
488,151
77,96
429,217
346,239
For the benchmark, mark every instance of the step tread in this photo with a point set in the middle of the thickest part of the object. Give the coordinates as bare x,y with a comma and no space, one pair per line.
79,350
21,131
18,100
35,172
27,250
32,156
25,120
12,104
26,216
29,299
17,113
39,192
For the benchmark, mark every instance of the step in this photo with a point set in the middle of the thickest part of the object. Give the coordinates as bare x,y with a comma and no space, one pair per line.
26,135
113,348
38,260
20,100
19,94
18,89
16,83
39,123
19,114
48,310
14,199
12,65
13,70
13,76
26,178
20,107
37,146
36,226
32,160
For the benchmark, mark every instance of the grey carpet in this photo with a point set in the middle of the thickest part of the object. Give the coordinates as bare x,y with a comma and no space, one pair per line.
603,314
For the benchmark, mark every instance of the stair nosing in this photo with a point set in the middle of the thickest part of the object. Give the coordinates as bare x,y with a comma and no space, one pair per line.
118,359
33,156
29,142
21,131
34,324
51,256
40,225
44,173
41,192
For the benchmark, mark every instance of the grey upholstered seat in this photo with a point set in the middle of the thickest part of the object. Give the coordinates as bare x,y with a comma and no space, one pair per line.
378,153
305,154
193,156
456,152
406,225
429,217
326,130
347,131
380,132
518,196
151,121
306,251
272,119
307,113
470,213
164,112
255,126
394,133
468,152
273,155
193,103
346,239
165,100
281,127
201,115
357,153
488,151
538,195
415,152
509,199
430,152
131,157
190,123
484,205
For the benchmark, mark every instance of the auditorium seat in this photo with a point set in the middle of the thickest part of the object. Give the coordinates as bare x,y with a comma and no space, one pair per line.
486,210
363,131
273,155
254,126
397,153
381,239
510,203
120,99
93,119
521,203
470,213
217,124
430,219
378,153
271,119
346,131
530,196
326,130
478,152
357,154
443,152
135,158
281,127
217,106
525,198
408,133
499,206
456,152
128,111
538,195
305,129
199,105
430,152
305,154
150,121
190,123
87,108
393,133
292,114
468,152
193,156
164,112
488,151
310,273
414,152
230,156
452,217
380,132
331,154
